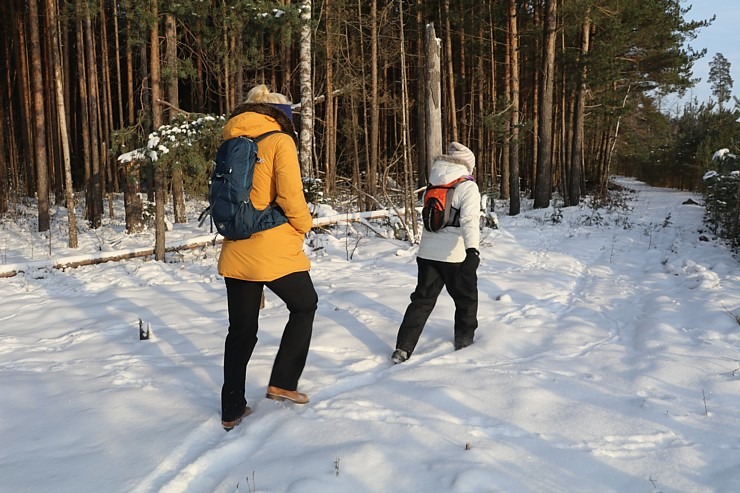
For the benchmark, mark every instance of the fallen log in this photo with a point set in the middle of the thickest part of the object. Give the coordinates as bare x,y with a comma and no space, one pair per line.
11,270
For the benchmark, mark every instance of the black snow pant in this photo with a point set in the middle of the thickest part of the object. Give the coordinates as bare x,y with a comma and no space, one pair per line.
461,284
244,299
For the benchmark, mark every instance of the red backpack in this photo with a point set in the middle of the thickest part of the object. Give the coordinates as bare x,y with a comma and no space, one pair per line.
437,205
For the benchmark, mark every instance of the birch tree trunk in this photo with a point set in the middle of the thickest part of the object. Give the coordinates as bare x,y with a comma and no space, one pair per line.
53,151
306,136
51,17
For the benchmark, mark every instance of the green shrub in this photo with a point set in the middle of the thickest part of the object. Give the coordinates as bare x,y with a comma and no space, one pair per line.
722,196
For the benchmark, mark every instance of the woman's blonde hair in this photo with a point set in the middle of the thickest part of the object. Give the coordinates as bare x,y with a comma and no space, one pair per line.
261,94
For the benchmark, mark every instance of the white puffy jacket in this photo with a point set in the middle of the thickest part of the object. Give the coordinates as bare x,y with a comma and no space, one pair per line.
449,243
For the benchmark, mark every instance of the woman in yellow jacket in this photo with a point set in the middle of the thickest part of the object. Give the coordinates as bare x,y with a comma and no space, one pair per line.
273,258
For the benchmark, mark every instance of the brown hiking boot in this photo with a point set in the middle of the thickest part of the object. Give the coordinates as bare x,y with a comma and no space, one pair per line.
278,394
229,425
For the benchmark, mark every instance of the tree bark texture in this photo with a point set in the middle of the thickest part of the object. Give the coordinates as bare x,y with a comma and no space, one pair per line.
543,188
39,123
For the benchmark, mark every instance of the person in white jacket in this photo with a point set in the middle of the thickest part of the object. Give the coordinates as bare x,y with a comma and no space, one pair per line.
447,258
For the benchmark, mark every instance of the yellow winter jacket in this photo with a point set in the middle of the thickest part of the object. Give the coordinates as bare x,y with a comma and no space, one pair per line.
276,252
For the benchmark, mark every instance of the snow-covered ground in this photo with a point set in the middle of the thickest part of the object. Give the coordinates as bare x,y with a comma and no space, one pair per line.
607,360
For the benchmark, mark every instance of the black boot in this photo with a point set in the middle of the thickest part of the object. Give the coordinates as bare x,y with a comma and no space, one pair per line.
399,356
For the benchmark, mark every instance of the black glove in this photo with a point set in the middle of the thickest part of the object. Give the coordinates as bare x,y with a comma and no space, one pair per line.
472,260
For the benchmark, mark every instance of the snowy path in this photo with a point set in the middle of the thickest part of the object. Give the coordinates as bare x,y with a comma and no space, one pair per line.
607,359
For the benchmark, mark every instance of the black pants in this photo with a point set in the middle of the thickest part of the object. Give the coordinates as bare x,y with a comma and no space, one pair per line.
461,284
244,298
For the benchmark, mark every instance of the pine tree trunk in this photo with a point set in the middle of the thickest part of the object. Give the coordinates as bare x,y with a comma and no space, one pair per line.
226,63
452,110
39,123
95,201
543,188
130,175
5,26
84,110
4,182
199,82
421,122
506,150
109,178
330,130
372,165
11,52
576,154
119,79
173,98
234,70
157,121
479,84
494,99
536,81
27,122
354,109
514,200
130,104
132,203
405,137
145,96
53,151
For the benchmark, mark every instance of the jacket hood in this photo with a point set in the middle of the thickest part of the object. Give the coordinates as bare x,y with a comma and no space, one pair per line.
285,123
446,169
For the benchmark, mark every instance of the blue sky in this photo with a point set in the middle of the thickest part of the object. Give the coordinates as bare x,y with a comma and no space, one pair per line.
722,36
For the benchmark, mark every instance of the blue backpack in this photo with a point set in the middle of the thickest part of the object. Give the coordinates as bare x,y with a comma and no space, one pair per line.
230,206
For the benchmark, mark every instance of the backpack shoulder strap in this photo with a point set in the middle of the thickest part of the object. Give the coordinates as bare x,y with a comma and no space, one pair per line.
453,183
463,178
266,134
454,213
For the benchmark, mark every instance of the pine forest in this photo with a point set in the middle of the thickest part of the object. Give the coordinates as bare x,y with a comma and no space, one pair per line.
553,97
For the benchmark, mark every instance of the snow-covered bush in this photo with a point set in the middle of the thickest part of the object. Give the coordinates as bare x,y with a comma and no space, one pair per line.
313,189
190,146
723,196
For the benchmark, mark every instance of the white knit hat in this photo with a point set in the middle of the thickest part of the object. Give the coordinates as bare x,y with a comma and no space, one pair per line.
462,154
